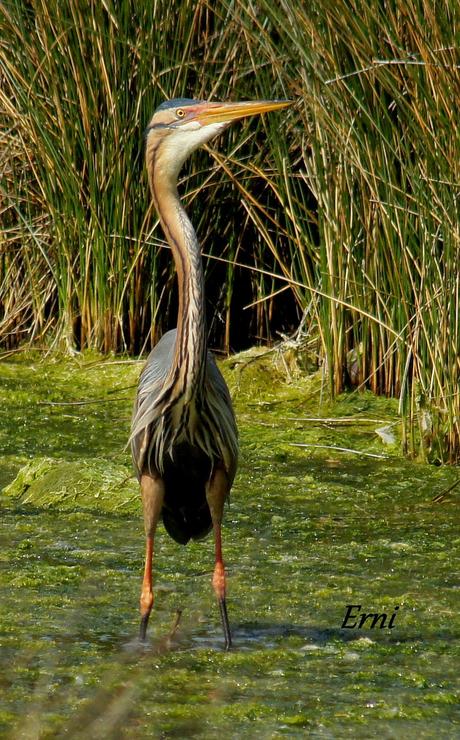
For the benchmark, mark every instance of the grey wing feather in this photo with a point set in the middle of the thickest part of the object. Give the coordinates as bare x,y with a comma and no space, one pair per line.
158,362
151,384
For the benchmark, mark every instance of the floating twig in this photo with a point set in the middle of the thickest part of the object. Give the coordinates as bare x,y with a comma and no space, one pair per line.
441,496
339,449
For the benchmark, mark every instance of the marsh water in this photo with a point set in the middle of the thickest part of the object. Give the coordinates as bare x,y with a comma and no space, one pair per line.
310,530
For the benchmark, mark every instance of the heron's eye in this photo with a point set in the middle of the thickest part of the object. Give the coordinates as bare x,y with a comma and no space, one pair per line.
180,113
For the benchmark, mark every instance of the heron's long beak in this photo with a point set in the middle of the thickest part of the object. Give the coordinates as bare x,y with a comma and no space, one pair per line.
226,112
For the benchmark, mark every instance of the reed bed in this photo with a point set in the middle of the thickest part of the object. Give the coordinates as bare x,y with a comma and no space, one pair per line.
341,214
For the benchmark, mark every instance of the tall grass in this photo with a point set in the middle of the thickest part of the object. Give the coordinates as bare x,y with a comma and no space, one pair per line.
371,203
346,208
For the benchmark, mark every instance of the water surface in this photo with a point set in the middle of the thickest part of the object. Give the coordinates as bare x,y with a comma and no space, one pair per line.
308,532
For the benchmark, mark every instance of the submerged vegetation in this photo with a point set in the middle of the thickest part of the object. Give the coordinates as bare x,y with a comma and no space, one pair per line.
340,216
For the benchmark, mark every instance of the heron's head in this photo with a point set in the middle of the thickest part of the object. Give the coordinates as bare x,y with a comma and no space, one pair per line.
180,126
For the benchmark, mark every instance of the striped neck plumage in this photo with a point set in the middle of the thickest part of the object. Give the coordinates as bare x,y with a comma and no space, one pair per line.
190,350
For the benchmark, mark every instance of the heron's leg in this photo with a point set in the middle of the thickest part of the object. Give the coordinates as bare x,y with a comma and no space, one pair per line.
216,494
152,491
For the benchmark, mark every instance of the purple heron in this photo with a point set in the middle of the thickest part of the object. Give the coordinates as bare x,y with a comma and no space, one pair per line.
184,438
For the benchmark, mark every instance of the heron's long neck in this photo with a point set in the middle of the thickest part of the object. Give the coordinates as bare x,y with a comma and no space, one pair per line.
190,348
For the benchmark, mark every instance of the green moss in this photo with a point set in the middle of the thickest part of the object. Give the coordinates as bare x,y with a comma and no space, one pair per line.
97,485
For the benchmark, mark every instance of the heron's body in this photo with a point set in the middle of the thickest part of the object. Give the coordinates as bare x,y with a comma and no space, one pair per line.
185,442
184,436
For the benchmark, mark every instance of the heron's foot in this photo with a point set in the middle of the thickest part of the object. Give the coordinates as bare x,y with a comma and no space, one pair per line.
218,583
146,608
225,623
143,627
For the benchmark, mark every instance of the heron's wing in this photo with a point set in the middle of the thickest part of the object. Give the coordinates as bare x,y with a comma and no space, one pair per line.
215,433
151,383
220,409
158,365
215,378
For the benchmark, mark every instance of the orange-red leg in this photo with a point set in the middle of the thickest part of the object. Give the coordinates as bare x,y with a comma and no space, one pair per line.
152,491
216,495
